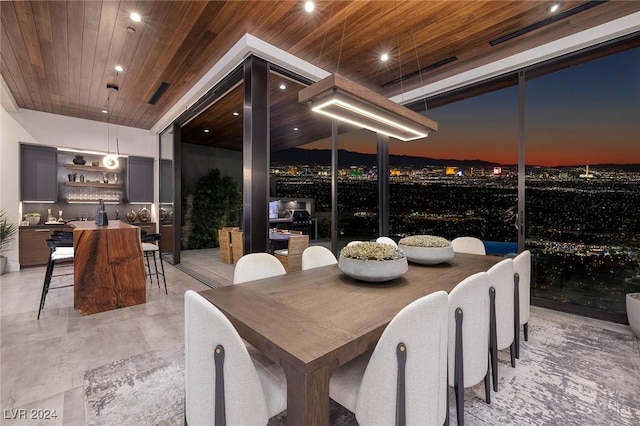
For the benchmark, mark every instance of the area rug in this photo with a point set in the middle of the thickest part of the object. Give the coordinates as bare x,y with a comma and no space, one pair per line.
567,374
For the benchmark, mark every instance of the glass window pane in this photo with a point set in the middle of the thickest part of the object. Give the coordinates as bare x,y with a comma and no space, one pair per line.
462,179
582,156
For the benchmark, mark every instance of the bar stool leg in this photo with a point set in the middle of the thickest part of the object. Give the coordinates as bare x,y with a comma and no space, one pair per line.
45,285
146,258
155,265
163,277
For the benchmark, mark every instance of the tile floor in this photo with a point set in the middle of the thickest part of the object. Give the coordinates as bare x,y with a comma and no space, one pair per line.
42,363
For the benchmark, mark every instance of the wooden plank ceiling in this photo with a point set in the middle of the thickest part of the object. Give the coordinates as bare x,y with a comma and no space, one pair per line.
58,56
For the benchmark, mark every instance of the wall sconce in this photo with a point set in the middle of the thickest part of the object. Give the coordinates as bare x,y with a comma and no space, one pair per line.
344,100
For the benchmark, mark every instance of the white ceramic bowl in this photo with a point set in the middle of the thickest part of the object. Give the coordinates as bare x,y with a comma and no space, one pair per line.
373,270
427,255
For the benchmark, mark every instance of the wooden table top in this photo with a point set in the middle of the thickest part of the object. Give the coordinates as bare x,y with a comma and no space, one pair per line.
317,314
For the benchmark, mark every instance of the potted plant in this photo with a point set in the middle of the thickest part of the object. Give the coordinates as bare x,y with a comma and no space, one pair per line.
426,249
7,231
371,261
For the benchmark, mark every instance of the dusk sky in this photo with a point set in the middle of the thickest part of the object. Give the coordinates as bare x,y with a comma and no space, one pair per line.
588,113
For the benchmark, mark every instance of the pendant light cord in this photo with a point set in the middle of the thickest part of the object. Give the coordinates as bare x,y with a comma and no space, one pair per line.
324,37
415,46
108,133
344,27
395,11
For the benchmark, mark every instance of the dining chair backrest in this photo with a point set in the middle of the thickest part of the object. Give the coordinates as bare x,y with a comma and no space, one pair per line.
470,245
471,297
224,240
501,278
386,240
316,256
469,337
220,377
522,267
350,243
421,327
237,245
254,266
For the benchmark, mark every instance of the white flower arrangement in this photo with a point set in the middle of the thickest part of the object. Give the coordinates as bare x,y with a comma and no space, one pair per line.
372,251
424,241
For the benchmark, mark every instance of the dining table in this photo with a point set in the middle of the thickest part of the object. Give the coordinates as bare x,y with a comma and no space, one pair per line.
311,322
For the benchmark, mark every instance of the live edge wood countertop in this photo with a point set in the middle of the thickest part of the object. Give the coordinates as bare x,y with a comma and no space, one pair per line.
108,267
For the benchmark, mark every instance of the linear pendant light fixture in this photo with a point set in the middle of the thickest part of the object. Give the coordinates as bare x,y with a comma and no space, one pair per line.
340,98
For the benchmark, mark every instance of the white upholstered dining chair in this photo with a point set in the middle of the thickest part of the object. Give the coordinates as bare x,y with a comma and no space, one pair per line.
386,240
404,380
316,256
470,245
469,338
522,277
224,382
501,316
254,266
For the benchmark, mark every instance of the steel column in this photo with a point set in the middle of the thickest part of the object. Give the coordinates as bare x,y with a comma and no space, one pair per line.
383,184
255,156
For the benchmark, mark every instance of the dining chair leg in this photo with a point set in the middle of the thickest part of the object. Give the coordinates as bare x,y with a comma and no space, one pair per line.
512,351
458,371
516,312
526,331
493,338
487,385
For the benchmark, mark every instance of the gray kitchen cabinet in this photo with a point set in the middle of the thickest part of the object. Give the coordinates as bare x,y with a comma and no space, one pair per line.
38,173
140,176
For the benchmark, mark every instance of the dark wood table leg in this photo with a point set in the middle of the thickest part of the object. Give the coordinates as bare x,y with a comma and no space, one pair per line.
307,396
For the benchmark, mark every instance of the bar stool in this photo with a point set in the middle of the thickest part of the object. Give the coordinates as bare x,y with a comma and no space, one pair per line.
150,248
60,249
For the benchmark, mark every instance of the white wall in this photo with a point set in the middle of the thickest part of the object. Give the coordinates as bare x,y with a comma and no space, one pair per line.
57,131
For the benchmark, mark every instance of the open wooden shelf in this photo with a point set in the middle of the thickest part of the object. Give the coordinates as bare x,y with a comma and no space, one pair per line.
92,168
95,185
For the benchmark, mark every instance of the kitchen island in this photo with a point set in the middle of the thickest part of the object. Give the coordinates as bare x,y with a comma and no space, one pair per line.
108,267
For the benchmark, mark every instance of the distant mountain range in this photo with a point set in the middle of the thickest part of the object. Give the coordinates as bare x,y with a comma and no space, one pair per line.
349,158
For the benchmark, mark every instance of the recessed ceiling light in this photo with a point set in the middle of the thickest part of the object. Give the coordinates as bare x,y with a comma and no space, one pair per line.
282,86
236,114
554,7
206,130
104,111
384,57
118,68
135,17
295,129
309,6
